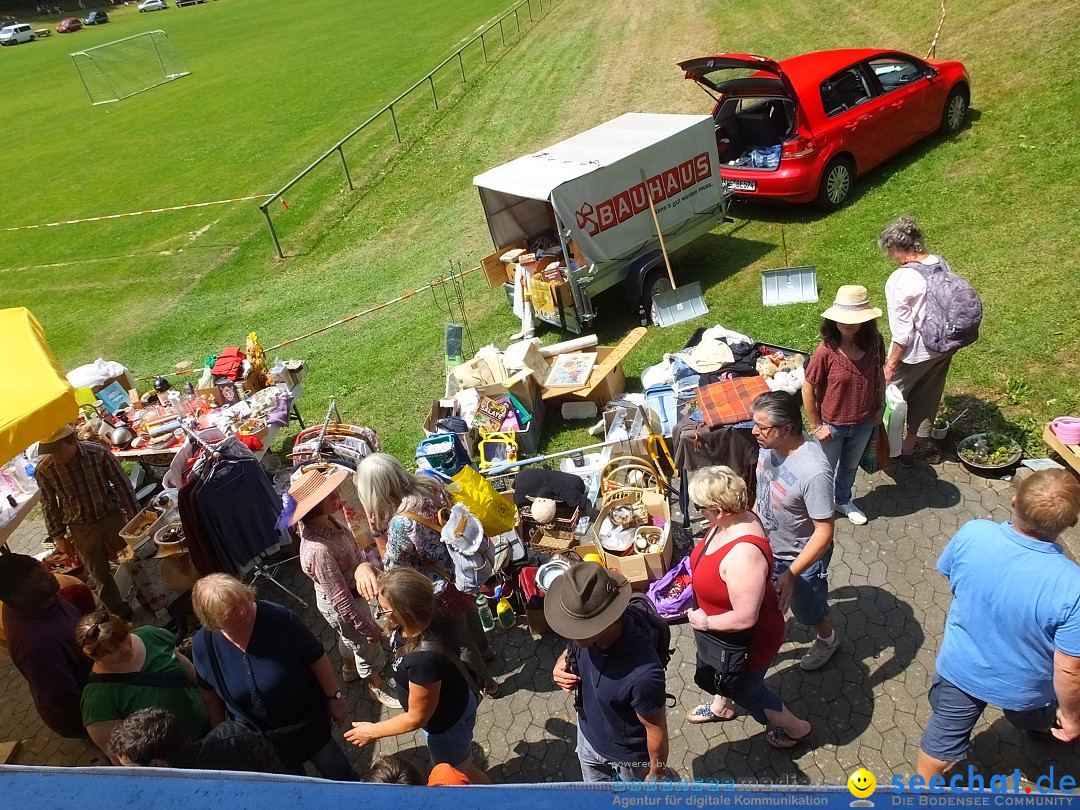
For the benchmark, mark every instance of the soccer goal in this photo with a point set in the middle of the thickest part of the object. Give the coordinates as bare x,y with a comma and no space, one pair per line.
128,66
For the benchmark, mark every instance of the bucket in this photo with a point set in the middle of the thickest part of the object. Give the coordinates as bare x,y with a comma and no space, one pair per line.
1067,428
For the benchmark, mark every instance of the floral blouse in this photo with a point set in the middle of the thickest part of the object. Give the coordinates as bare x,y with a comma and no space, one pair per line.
414,545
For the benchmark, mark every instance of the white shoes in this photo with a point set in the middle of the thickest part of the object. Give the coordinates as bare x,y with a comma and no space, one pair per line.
384,698
852,512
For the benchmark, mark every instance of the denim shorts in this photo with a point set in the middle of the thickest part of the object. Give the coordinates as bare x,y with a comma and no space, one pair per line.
955,714
454,746
810,600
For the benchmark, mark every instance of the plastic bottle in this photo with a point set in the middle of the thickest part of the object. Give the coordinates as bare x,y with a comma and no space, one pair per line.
505,612
486,619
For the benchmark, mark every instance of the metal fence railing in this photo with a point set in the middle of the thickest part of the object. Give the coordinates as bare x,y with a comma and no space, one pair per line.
503,23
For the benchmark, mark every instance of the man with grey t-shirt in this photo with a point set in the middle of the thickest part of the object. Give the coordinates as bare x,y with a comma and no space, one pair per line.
795,504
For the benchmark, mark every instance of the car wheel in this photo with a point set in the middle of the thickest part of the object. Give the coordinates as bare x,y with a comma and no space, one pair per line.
955,111
836,183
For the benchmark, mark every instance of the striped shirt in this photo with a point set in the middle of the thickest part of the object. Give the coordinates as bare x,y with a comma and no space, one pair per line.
84,490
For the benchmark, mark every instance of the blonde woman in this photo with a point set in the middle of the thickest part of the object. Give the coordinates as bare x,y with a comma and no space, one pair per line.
135,669
271,673
737,606
432,684
388,492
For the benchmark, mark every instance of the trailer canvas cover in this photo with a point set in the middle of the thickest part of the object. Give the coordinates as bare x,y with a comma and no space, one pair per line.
593,181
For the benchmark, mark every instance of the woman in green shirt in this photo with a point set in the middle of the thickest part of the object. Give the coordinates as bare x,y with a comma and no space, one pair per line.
135,669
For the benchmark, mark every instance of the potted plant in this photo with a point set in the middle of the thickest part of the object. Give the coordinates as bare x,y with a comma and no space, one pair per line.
940,428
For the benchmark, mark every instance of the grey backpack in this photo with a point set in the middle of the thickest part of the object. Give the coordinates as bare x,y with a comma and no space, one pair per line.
953,308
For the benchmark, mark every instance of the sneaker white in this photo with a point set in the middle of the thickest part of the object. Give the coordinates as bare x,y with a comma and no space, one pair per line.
385,699
852,512
819,654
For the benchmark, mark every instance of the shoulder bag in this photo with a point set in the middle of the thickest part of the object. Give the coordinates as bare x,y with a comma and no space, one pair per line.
721,657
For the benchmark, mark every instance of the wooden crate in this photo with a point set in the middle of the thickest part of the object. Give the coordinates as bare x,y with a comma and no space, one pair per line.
496,271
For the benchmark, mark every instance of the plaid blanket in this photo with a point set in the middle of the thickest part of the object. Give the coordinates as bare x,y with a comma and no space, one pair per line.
728,401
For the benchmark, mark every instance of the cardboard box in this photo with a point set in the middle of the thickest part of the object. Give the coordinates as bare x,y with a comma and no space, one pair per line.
607,381
526,354
526,390
496,271
470,438
537,621
211,395
640,569
486,370
126,380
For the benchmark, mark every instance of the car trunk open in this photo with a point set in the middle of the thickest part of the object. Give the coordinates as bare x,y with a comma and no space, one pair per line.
756,108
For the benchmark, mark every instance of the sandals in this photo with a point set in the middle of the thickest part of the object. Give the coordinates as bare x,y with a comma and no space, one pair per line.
704,714
780,739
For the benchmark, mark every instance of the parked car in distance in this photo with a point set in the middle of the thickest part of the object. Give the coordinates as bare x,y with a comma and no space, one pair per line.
96,18
16,33
68,25
182,3
153,5
804,128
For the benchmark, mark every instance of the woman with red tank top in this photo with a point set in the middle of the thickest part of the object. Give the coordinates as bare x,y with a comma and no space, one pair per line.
731,570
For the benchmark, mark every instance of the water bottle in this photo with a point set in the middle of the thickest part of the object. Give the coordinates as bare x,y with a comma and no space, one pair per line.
642,316
486,619
505,612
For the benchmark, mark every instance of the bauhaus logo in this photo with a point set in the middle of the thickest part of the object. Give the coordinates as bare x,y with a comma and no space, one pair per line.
596,217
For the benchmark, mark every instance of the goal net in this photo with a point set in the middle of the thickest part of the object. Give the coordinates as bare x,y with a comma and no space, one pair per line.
128,66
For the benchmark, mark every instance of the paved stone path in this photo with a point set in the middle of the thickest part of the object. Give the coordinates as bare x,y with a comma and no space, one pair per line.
868,706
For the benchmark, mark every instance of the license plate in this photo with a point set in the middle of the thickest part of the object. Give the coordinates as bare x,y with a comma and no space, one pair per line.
740,185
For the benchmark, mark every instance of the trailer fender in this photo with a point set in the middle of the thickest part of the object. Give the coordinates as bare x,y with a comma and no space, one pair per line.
637,275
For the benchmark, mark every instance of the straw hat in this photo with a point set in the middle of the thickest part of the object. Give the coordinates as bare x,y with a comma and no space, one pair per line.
586,600
54,441
852,305
312,487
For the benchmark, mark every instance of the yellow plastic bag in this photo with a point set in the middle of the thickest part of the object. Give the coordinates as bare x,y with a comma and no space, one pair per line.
494,511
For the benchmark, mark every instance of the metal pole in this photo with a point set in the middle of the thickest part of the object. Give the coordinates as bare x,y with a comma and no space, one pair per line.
528,5
483,44
502,32
345,166
434,97
541,6
461,65
517,19
393,118
273,233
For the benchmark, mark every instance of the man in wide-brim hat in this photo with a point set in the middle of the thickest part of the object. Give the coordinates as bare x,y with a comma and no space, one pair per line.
622,719
87,496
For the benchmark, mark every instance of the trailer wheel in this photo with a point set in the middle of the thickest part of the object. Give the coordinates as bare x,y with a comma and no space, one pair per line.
656,283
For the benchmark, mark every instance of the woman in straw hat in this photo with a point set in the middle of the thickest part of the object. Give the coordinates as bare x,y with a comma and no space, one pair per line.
844,395
329,555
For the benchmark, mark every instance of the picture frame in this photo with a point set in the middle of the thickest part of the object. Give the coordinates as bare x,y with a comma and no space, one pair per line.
570,370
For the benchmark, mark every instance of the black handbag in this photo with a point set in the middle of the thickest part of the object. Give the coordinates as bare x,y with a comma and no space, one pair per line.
721,657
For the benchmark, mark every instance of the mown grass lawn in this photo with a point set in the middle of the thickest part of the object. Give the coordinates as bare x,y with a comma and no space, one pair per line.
998,200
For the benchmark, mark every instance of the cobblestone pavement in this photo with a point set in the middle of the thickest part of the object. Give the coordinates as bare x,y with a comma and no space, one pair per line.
868,706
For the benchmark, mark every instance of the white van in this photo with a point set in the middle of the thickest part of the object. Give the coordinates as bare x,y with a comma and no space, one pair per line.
15,34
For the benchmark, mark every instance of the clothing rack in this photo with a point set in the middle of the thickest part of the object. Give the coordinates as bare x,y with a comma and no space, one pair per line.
263,569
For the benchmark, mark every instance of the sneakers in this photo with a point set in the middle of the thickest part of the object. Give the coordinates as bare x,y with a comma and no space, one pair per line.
852,512
349,675
387,700
819,654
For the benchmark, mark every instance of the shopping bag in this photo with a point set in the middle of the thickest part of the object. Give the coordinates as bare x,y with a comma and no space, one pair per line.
876,454
895,417
496,513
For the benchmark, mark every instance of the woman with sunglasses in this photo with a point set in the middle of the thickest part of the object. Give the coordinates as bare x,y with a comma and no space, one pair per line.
433,684
135,669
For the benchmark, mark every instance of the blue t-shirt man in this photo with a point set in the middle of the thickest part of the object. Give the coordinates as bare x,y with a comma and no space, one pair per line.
1015,601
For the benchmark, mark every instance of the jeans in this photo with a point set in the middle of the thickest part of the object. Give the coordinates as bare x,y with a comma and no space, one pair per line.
955,714
755,697
357,653
93,541
594,768
844,452
810,597
454,746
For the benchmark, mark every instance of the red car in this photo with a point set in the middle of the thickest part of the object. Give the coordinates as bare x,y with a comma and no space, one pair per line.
68,24
804,128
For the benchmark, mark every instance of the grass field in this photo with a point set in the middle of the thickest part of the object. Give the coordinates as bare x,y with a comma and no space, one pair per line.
997,201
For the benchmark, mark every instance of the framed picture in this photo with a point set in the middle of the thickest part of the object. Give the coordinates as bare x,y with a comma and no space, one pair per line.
229,395
570,370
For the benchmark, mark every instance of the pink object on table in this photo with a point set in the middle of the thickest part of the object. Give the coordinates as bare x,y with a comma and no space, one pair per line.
1067,428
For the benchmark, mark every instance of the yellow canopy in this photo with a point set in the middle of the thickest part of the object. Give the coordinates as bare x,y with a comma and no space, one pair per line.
35,396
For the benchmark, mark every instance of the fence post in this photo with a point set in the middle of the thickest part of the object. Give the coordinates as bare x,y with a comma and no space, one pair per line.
541,6
483,44
502,32
345,166
273,233
434,97
517,20
461,64
393,119
528,5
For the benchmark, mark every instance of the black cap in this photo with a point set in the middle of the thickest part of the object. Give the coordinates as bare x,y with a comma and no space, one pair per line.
161,384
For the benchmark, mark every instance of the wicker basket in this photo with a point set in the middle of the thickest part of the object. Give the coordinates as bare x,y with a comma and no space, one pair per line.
552,541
